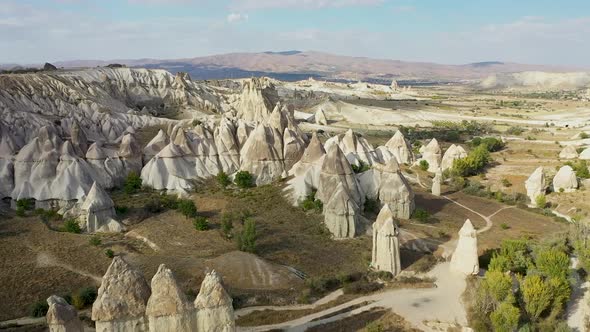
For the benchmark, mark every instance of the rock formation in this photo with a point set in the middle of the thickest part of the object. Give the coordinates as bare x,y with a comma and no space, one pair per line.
228,146
465,259
565,180
261,155
569,152
341,194
355,147
585,155
400,148
7,150
536,186
306,172
98,211
167,308
62,317
155,145
171,169
432,154
122,299
257,100
320,117
215,312
436,183
453,152
386,254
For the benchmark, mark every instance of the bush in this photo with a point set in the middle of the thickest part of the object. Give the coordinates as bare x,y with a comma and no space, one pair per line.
154,205
223,179
95,241
121,210
132,183
515,130
39,309
504,226
424,165
247,238
360,168
581,168
505,318
27,204
188,208
584,135
371,205
84,297
201,223
310,203
362,286
243,179
109,253
169,201
506,183
20,211
72,226
493,144
541,201
421,215
473,164
227,225
552,262
536,295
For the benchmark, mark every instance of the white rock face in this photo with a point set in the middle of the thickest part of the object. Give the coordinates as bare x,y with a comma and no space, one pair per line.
536,185
171,169
228,146
320,117
98,211
387,183
168,309
453,152
400,148
306,172
436,183
565,180
215,312
62,317
585,155
355,147
386,255
341,194
122,299
7,150
432,154
155,145
569,152
261,155
258,98
465,259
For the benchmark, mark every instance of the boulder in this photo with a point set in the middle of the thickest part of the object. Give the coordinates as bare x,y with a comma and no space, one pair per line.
400,148
386,254
436,183
453,152
122,299
465,259
432,154
215,312
565,180
61,316
536,186
569,152
167,309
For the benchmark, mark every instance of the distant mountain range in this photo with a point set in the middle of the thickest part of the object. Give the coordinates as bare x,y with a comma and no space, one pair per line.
297,65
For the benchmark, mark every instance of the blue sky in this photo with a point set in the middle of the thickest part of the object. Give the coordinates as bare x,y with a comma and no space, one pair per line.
442,31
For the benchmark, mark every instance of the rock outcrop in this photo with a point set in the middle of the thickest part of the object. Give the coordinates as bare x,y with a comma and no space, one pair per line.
432,154
228,146
98,211
436,183
387,184
355,147
215,312
465,259
585,155
536,186
257,100
261,155
171,169
569,152
453,152
155,145
167,309
341,194
61,316
306,172
565,180
400,148
320,117
122,299
386,254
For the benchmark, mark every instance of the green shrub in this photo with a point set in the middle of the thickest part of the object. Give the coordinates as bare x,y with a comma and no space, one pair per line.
247,238
20,211
223,179
132,183
541,201
360,168
72,226
121,210
310,203
188,208
84,297
473,164
109,253
584,135
424,165
201,223
493,144
153,205
504,226
515,130
421,215
95,241
243,179
27,204
371,205
169,201
506,183
536,295
227,225
505,318
39,309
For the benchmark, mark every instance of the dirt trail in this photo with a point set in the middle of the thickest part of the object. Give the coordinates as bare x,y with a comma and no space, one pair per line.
46,260
326,299
577,307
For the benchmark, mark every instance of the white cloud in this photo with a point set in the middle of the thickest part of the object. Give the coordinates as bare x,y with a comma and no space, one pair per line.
302,4
236,17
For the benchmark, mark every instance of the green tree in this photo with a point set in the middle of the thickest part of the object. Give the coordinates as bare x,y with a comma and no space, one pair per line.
561,291
498,285
223,179
505,318
474,163
424,165
247,238
243,179
132,183
552,262
188,208
536,295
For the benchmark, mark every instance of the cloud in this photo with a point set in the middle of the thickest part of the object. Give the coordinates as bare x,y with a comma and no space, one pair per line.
301,4
236,17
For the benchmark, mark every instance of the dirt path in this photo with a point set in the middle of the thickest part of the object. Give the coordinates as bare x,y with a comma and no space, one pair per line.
577,307
46,260
421,307
326,299
487,219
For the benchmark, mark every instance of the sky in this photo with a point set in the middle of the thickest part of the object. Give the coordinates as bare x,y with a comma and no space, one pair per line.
440,31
